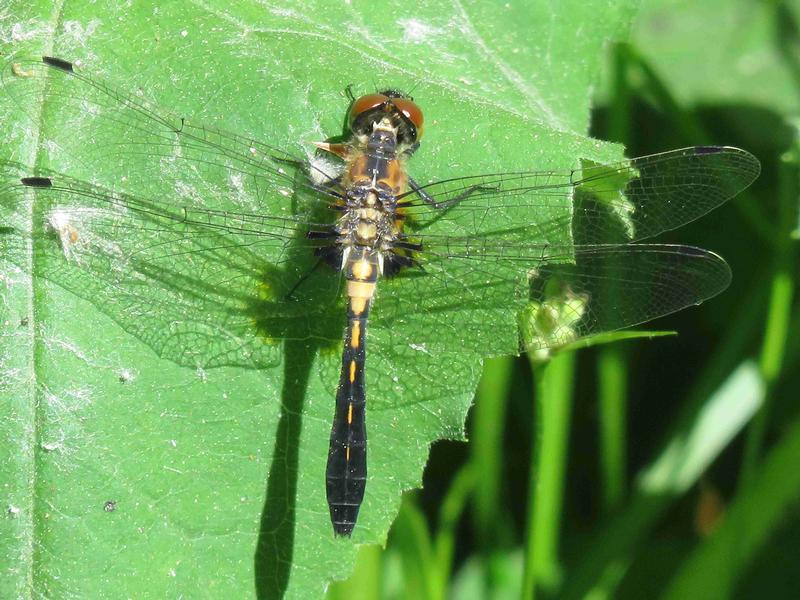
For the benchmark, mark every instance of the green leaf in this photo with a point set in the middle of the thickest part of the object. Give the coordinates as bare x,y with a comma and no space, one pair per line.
216,476
611,194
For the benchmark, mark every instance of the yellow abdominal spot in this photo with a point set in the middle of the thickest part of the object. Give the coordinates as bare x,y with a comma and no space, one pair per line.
350,413
362,270
355,334
352,371
357,304
347,453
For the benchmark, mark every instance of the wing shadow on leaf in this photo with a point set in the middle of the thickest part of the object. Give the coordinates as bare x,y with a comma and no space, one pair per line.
197,295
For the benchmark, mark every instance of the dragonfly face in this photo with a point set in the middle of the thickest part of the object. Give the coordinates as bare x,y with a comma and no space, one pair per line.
403,115
556,246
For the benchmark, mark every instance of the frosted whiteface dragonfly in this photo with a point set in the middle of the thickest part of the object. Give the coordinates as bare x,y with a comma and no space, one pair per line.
205,244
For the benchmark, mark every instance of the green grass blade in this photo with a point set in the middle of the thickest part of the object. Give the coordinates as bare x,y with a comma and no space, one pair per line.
695,441
411,539
554,388
755,513
486,444
453,505
612,375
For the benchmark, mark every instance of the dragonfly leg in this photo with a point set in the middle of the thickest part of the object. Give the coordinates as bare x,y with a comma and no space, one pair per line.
327,187
428,199
447,205
409,152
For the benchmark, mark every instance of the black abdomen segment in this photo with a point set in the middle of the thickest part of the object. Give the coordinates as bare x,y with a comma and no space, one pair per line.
346,474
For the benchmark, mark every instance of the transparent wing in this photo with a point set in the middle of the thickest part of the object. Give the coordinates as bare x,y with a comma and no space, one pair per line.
554,246
644,196
471,293
119,138
209,288
200,262
124,136
201,288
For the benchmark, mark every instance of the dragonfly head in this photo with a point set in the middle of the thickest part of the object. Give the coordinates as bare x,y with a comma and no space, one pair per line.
401,111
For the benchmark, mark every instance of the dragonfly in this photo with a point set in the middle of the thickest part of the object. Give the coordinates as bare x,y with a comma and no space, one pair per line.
247,242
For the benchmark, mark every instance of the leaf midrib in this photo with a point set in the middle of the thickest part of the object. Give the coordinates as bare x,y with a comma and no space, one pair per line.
34,401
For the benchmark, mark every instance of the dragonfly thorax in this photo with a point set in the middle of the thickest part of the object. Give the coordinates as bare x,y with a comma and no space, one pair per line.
382,143
373,177
371,224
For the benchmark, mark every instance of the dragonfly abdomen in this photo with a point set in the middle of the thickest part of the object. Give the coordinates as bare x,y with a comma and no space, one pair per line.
346,473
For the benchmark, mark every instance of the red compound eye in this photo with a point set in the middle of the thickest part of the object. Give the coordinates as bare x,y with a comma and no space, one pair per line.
410,111
366,103
370,109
